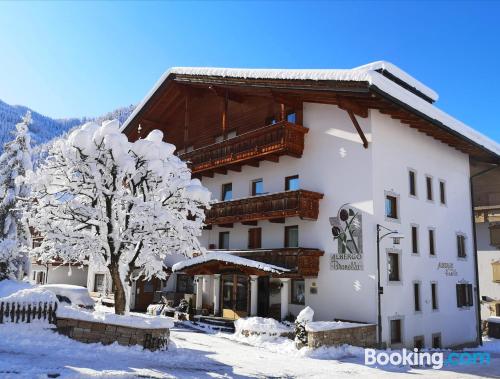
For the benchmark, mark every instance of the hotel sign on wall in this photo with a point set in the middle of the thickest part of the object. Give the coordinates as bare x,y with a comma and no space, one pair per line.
448,268
347,232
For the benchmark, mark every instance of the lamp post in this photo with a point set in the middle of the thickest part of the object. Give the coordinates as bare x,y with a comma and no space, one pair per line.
396,238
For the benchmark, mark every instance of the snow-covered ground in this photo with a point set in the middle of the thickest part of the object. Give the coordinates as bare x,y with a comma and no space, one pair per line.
32,352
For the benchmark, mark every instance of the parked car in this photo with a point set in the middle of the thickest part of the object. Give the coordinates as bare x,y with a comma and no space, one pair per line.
70,294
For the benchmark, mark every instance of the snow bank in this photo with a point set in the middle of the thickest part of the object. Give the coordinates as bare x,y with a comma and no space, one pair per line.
77,294
31,295
261,325
132,321
494,319
306,315
8,287
321,326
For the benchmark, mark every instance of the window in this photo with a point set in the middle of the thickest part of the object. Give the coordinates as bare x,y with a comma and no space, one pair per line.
227,192
298,291
495,234
99,283
418,342
255,238
436,341
257,187
393,267
39,277
432,242
292,183
434,299
396,335
416,296
464,295
412,183
461,251
414,239
185,283
391,206
496,271
428,182
292,236
442,192
291,117
223,240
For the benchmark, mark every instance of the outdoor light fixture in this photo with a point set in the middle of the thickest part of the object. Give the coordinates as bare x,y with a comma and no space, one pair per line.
396,240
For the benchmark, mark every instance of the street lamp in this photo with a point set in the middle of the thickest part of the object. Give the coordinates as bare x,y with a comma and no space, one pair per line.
383,232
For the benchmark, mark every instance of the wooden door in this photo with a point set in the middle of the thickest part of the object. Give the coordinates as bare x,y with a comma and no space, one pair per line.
234,296
144,293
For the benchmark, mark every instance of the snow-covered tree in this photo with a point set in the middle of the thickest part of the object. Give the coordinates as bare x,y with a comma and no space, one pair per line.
15,163
118,204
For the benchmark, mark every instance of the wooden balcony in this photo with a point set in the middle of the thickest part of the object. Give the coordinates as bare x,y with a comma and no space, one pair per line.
274,207
267,143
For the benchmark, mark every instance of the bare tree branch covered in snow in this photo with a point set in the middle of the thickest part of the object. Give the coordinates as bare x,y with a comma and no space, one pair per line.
122,205
15,238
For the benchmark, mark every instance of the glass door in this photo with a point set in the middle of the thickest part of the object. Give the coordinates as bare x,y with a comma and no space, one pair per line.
234,296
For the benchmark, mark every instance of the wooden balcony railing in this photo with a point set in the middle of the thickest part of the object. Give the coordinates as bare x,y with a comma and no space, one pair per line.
269,142
301,203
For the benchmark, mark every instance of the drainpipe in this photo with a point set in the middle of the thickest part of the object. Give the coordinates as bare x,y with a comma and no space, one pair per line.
379,307
479,339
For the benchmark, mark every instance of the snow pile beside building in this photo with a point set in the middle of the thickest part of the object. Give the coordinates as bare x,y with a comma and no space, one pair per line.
261,325
31,295
321,326
76,294
132,320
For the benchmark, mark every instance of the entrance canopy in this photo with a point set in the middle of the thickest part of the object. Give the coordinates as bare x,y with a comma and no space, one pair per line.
282,263
213,262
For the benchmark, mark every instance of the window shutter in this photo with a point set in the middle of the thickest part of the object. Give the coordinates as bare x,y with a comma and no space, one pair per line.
469,295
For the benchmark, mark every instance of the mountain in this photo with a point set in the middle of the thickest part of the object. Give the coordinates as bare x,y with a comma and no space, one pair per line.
44,129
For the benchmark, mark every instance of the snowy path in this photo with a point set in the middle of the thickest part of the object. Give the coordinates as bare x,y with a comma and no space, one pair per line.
26,353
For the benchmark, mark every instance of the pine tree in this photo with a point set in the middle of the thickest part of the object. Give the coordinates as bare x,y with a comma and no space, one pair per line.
15,238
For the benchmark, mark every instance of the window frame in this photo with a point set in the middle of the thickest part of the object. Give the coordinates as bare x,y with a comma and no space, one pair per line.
415,241
221,236
397,253
434,296
440,344
254,230
431,231
429,188
395,196
287,182
182,277
412,172
253,187
461,239
293,294
417,297
443,198
287,238
224,191
465,295
100,274
416,339
401,331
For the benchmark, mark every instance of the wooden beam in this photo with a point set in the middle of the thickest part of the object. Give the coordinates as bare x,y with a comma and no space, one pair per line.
221,171
224,117
250,223
272,158
223,92
236,168
254,164
226,225
358,128
353,107
277,220
186,120
282,112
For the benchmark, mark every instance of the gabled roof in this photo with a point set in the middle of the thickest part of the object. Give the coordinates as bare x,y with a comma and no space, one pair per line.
381,77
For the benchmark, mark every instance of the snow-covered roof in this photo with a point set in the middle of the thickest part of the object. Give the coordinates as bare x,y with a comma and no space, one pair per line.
227,257
369,73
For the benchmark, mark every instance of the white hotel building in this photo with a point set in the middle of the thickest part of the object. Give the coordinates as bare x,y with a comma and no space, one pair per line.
287,154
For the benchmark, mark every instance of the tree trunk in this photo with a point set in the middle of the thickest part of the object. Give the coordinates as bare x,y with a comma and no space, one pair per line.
119,290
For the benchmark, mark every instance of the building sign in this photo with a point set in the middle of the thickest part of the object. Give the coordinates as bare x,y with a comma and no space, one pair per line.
347,232
448,268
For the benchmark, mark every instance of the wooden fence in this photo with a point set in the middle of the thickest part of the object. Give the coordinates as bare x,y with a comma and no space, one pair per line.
16,312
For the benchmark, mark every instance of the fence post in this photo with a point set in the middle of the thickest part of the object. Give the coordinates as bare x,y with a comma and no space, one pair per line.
28,320
1,312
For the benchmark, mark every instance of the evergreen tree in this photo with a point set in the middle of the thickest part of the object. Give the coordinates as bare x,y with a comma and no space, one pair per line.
15,237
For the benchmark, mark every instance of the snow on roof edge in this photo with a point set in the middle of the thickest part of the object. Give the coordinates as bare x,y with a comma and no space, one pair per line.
362,73
229,258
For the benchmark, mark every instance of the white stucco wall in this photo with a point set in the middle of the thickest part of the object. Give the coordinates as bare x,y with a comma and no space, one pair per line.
62,274
397,148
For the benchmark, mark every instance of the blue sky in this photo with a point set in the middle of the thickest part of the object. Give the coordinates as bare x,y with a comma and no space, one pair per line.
82,59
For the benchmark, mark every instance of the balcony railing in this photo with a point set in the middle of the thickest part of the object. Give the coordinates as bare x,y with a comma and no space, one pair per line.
269,142
300,203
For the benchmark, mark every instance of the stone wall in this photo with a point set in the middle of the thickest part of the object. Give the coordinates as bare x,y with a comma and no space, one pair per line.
363,336
89,332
